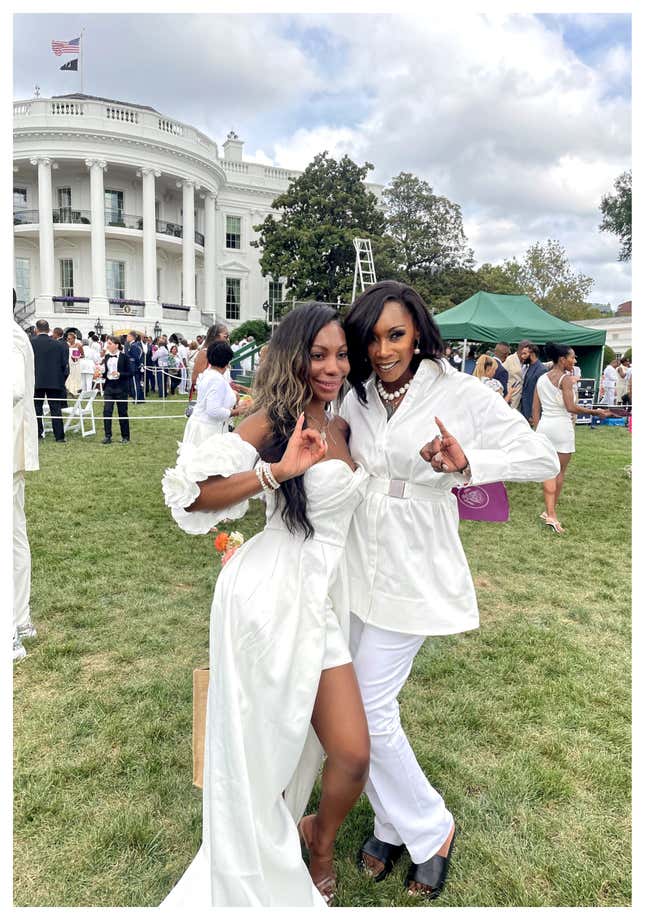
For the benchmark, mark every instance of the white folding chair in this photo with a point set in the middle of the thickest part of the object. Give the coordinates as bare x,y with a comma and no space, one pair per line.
80,416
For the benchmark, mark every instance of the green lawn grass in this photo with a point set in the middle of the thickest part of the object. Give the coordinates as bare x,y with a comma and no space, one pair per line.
523,725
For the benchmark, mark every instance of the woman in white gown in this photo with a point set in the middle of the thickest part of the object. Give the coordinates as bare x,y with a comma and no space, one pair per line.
408,573
281,679
554,409
216,399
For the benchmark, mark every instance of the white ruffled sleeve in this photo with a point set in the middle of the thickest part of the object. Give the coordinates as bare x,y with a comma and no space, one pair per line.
218,455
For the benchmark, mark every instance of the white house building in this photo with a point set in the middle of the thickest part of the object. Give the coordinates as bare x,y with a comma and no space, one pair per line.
126,217
618,329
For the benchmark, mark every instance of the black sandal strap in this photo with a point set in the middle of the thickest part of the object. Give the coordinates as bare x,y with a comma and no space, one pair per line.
432,873
387,853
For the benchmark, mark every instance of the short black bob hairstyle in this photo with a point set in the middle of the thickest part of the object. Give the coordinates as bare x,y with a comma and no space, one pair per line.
363,316
219,354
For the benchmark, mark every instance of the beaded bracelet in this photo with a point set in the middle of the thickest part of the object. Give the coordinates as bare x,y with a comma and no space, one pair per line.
265,477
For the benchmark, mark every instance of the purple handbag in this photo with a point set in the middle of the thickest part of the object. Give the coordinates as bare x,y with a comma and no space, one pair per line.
482,503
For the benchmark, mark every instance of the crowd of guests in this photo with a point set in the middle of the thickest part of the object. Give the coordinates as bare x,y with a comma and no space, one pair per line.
514,374
123,367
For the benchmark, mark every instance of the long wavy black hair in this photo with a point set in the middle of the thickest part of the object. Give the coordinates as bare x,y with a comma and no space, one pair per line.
363,316
283,391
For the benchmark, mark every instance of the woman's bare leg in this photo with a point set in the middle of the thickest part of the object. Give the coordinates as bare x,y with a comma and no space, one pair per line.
553,487
340,724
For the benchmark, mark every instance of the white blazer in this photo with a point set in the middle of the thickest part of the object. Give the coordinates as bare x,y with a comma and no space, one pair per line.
25,427
407,567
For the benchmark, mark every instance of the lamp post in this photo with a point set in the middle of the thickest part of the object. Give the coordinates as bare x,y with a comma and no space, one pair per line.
157,329
98,327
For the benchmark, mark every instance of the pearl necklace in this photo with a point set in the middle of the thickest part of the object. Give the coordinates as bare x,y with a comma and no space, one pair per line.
390,397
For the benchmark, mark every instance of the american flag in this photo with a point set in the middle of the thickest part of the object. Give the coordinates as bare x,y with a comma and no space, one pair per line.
71,47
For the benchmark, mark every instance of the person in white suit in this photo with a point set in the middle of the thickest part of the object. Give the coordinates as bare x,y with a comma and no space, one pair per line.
418,427
25,457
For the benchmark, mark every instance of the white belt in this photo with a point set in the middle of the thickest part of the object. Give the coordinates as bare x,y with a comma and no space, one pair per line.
401,488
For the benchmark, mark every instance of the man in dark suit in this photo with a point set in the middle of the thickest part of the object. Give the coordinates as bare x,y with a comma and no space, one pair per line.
134,353
534,372
116,374
501,353
51,362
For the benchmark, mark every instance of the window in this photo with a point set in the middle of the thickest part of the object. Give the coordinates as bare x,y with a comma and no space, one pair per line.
157,206
233,298
67,277
115,272
64,205
275,293
233,232
19,198
113,207
23,280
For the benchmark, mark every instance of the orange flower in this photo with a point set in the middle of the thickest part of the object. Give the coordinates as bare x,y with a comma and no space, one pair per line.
221,542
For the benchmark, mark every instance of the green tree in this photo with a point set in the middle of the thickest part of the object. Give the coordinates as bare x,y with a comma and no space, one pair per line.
427,229
617,214
311,243
546,276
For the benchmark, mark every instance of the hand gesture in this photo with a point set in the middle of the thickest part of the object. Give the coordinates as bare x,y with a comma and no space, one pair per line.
604,413
305,448
444,453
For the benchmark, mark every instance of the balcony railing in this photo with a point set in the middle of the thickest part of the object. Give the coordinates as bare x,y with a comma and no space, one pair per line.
169,228
71,304
112,219
71,216
26,217
116,218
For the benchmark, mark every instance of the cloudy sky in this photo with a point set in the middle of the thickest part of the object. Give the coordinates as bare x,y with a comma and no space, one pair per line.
523,119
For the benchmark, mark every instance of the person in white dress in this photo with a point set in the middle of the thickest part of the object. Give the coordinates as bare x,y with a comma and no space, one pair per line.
216,399
554,411
419,427
282,687
485,369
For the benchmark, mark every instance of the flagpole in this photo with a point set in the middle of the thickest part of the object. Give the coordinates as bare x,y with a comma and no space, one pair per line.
82,56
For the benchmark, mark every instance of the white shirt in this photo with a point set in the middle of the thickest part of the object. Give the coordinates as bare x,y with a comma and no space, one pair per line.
610,376
215,398
25,426
407,568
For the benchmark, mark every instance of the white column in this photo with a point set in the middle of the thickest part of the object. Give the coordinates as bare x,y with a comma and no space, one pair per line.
188,247
153,309
98,296
209,252
46,233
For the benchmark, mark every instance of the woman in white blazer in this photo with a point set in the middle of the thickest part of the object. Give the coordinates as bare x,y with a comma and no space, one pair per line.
418,427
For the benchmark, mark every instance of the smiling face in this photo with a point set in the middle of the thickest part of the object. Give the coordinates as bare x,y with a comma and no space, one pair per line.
329,364
391,349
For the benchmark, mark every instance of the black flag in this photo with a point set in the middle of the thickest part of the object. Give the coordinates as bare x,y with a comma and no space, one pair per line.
71,65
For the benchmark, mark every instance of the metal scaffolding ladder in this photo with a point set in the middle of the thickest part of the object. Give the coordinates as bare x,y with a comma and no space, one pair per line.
364,267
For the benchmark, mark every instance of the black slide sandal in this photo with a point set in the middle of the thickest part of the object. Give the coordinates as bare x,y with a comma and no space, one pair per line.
433,873
387,853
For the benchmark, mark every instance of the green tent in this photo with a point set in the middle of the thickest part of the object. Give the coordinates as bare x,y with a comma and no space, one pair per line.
509,318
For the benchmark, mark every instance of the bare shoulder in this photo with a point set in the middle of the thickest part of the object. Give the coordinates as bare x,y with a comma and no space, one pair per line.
341,426
568,382
256,429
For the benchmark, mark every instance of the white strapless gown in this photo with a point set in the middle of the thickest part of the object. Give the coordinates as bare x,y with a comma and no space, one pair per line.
278,607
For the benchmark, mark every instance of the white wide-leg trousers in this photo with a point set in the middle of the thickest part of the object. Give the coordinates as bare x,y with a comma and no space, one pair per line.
406,807
21,555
